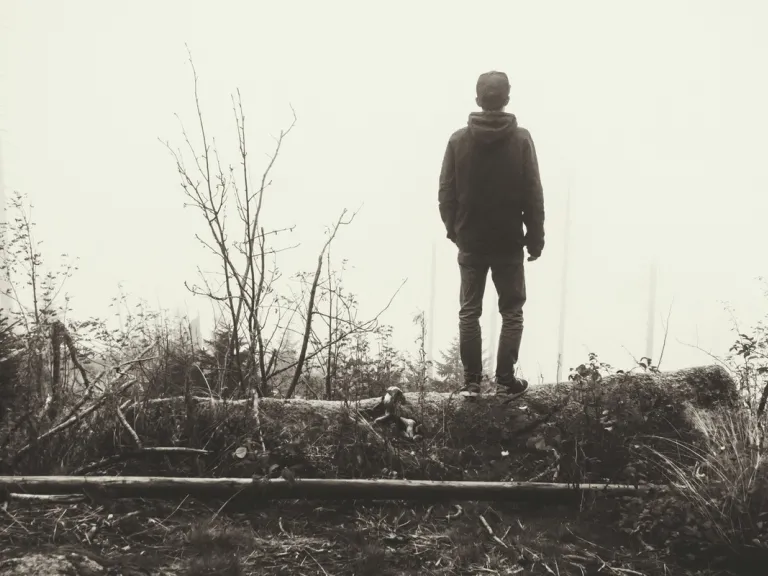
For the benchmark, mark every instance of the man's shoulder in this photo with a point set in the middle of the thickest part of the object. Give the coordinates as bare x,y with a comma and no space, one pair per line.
523,133
523,137
463,132
459,134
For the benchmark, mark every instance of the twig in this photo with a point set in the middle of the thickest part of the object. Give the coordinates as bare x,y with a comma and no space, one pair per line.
128,427
89,390
280,523
56,524
707,352
73,419
258,421
210,392
459,512
490,532
666,333
311,303
316,562
115,458
14,521
223,505
548,569
72,351
584,539
362,327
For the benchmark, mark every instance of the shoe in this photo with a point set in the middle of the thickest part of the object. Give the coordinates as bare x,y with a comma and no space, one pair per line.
512,390
470,390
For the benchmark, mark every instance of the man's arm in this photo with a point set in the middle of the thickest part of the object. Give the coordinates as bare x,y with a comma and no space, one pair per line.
533,199
446,196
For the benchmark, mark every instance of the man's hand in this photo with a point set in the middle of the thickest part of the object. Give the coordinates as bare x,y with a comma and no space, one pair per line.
534,245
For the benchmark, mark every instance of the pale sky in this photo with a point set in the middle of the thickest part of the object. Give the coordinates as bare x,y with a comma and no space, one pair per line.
653,113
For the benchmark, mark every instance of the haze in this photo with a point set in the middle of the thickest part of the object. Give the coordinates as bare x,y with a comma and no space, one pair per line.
652,114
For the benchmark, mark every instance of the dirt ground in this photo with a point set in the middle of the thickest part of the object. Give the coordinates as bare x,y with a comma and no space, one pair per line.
152,537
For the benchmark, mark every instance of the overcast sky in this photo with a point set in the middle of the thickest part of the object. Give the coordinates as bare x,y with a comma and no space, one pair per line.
652,113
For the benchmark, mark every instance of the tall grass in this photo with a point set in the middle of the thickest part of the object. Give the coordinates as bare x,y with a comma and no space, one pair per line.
720,483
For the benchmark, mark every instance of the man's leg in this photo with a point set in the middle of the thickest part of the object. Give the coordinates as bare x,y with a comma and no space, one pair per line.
508,275
474,271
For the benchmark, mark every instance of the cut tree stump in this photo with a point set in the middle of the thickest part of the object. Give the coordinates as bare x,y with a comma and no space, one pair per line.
312,488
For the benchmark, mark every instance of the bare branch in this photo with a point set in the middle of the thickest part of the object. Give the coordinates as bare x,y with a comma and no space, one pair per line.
358,329
666,333
313,290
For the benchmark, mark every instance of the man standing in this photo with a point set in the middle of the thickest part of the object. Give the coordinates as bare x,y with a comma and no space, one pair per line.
489,188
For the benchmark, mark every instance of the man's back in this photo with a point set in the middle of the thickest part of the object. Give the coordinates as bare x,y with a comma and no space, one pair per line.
490,186
489,189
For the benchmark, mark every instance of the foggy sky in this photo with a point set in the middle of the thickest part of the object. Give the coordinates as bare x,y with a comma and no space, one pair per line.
652,114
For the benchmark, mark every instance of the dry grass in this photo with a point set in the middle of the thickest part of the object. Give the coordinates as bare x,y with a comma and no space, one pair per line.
727,486
716,511
394,538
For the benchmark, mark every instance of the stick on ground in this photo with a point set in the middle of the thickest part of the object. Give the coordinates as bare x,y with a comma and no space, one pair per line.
313,488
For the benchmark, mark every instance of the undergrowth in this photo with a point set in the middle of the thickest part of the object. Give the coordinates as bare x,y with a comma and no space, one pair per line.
608,426
715,509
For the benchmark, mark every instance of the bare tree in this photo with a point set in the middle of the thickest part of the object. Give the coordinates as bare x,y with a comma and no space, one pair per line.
245,290
311,303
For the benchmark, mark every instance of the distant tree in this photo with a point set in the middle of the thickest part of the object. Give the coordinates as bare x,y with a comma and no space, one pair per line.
450,369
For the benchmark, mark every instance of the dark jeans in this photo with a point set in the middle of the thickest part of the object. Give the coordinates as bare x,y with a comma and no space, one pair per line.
508,274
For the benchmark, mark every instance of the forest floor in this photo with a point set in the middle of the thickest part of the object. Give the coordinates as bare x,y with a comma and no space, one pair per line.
192,538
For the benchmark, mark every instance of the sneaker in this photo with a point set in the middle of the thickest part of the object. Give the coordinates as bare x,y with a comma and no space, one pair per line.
470,390
512,390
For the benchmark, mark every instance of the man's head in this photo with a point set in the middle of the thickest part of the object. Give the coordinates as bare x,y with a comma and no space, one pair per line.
492,91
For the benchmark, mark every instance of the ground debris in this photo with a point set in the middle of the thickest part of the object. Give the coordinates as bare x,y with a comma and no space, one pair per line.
42,564
192,538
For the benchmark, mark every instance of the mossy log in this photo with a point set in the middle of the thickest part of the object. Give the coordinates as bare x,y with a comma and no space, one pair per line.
698,387
623,398
587,430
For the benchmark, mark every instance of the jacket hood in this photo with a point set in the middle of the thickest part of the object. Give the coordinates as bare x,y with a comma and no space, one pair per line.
488,127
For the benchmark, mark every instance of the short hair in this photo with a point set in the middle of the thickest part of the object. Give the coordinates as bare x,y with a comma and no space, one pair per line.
493,90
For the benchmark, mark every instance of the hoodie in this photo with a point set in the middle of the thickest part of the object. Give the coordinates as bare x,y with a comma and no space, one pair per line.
490,187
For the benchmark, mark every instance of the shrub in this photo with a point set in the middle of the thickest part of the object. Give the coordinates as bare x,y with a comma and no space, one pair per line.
715,507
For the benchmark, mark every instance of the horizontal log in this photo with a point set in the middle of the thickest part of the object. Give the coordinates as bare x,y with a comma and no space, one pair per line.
48,498
701,387
312,488
579,430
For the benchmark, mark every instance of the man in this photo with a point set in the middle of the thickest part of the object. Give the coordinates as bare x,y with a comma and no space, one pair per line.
489,188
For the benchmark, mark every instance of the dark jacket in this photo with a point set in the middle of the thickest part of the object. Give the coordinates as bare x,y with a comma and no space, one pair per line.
490,187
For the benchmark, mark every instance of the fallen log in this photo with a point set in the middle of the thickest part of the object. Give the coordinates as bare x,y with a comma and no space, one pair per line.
704,387
700,387
313,488
586,430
